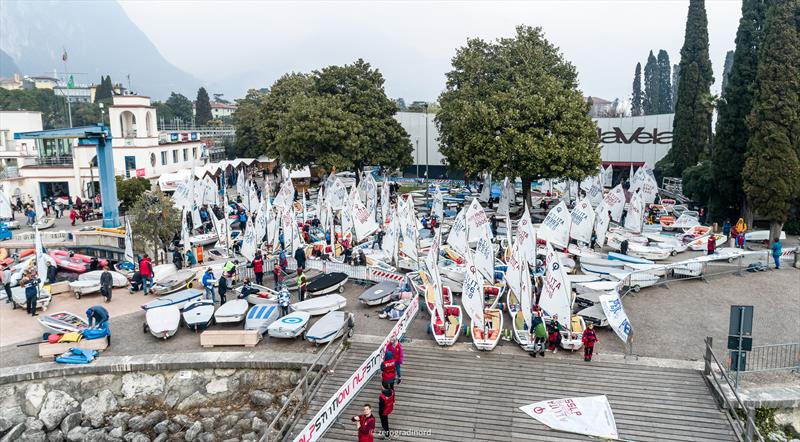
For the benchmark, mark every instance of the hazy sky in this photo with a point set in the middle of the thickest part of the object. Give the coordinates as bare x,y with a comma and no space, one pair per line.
236,45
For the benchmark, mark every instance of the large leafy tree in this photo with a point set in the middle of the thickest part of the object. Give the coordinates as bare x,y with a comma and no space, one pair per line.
274,106
652,86
155,220
513,108
664,83
732,134
202,108
691,135
248,121
130,190
52,107
772,165
636,97
180,107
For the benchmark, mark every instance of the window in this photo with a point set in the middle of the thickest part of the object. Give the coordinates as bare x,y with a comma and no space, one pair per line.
164,158
194,153
174,155
185,154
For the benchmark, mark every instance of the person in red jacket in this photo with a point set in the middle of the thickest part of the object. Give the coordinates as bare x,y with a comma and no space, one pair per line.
385,407
388,370
365,424
712,244
258,268
397,350
146,270
589,339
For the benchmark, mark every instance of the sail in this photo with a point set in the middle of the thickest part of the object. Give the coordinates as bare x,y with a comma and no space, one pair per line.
686,221
590,415
196,220
287,221
582,221
305,215
484,258
181,195
527,237
185,234
252,198
347,217
515,263
363,221
260,226
285,195
385,202
370,195
39,210
595,193
633,220
457,238
41,265
601,221
297,238
472,292
410,232
525,294
248,249
437,207
276,236
506,195
241,185
477,222
615,202
556,225
336,194
607,176
486,192
555,298
129,242
390,240
5,206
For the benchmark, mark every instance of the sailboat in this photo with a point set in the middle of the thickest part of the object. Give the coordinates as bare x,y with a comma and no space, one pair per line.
486,323
556,300
446,317
519,297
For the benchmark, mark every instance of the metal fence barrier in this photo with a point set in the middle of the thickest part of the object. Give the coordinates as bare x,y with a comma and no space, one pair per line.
773,357
363,273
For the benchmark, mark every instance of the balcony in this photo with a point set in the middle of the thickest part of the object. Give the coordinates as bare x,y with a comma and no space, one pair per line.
9,172
54,161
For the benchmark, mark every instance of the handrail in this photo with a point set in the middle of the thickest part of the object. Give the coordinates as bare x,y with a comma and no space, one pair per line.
747,431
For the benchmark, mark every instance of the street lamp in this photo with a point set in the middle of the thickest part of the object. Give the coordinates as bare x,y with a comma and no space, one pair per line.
417,157
427,162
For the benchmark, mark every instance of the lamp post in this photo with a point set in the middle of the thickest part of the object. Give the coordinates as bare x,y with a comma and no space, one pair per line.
417,157
426,141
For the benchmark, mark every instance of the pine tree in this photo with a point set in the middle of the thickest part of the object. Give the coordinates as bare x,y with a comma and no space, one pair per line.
726,70
690,134
636,97
676,75
202,108
665,83
730,141
772,166
652,90
104,90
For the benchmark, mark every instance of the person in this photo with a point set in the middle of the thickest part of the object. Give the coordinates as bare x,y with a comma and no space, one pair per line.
539,335
396,348
258,268
190,259
282,258
385,408
302,284
31,284
777,249
136,281
593,240
106,283
348,255
51,273
146,270
45,207
7,284
711,245
315,222
281,240
222,288
247,289
208,283
589,339
493,221
702,214
388,370
177,258
73,215
740,240
277,274
365,424
554,334
300,257
97,316
623,247
229,269
726,228
284,299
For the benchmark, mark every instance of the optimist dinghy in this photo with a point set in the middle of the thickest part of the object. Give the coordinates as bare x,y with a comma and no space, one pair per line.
320,305
628,258
263,295
702,242
80,288
231,312
197,315
162,322
178,299
329,327
446,330
485,336
290,326
174,282
42,300
328,283
203,239
62,322
118,279
599,270
260,317
596,286
379,294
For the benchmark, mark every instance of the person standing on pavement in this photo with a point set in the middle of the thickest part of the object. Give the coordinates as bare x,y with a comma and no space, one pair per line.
300,257
222,288
73,215
7,284
31,284
146,270
177,258
302,284
777,250
51,273
106,283
388,370
396,348
208,283
711,246
365,424
284,299
385,408
277,274
258,268
589,339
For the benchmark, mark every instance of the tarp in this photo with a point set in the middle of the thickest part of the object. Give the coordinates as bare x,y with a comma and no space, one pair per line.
556,225
590,415
615,313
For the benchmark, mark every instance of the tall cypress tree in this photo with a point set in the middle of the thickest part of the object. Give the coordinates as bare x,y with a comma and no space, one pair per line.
652,89
664,83
202,114
104,90
772,165
690,133
730,141
636,97
676,75
726,69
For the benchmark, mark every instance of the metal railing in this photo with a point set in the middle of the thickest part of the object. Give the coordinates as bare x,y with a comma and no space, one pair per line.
54,161
773,357
716,376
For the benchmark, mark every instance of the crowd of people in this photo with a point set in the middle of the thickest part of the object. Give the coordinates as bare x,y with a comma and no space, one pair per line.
391,376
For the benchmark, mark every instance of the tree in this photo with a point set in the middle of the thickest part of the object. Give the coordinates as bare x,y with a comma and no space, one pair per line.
274,105
84,114
676,74
726,70
772,166
105,90
652,87
155,220
732,134
664,83
636,97
690,134
202,108
180,107
130,190
52,107
401,104
513,108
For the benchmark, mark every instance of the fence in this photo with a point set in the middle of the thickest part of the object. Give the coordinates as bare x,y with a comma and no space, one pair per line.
363,273
717,378
774,357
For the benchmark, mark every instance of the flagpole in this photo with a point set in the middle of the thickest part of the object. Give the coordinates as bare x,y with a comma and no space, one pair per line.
66,78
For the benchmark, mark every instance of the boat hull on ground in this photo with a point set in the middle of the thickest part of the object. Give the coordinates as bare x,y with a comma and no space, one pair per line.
118,279
178,299
182,279
290,326
447,330
232,311
62,322
485,336
163,322
320,305
378,294
42,300
628,258
326,284
573,340
330,327
198,315
260,317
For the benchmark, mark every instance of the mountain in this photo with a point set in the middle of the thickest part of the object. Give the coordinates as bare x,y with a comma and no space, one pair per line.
7,66
99,39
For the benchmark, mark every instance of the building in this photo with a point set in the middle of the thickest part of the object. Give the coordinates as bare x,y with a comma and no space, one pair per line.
17,153
425,141
78,94
218,109
56,166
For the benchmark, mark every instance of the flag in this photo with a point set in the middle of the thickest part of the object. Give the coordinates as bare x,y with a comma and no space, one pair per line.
71,82
64,55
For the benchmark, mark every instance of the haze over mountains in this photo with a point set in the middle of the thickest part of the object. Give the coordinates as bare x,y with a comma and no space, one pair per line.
99,39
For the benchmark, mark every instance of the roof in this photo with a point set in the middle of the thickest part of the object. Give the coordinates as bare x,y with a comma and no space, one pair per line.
218,105
598,100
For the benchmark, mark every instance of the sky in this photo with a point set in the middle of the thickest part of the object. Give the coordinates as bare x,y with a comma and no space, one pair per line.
236,45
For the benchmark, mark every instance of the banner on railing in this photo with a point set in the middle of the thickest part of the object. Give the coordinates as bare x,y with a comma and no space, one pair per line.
326,416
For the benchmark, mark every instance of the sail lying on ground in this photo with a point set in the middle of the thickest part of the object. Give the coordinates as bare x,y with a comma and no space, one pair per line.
590,415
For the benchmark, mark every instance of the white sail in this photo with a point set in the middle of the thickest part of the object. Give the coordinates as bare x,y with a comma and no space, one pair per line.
297,238
391,239
457,238
363,221
685,222
5,206
477,222
129,242
437,206
252,198
515,263
526,236
595,193
607,176
556,225
555,298
41,265
582,221
507,194
634,218
410,232
196,220
260,226
590,415
336,193
525,294
248,249
370,194
484,258
347,218
486,192
385,202
210,192
615,202
276,237
305,215
241,185
472,292
181,195
287,221
432,264
285,195
601,222
39,210
185,234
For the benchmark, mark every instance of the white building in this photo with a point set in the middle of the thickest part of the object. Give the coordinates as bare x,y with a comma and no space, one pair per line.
56,166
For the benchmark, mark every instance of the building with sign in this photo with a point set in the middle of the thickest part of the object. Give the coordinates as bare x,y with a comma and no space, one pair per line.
59,166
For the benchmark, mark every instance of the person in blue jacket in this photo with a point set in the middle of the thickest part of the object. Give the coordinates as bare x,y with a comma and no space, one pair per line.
97,317
208,283
777,249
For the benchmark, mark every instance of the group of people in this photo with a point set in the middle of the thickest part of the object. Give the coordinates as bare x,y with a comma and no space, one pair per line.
390,377
548,335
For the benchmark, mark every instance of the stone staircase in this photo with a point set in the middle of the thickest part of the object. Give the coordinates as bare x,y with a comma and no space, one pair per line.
459,394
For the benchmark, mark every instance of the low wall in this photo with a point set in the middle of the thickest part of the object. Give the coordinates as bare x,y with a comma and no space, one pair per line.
192,396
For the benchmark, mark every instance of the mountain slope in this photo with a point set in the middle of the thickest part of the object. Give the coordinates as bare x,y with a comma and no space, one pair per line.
99,38
7,66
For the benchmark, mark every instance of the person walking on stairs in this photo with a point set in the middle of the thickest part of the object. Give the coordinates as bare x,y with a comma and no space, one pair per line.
385,407
365,424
